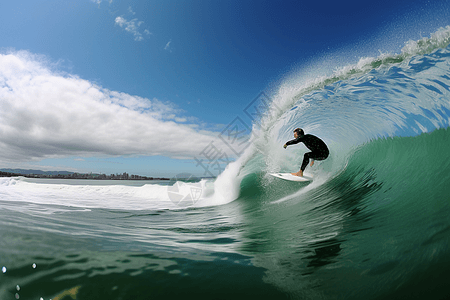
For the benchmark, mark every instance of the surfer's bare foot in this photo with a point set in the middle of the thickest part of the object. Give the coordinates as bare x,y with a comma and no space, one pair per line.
299,173
312,163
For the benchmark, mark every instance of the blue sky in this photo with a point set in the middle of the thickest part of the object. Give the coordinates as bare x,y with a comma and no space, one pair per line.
144,86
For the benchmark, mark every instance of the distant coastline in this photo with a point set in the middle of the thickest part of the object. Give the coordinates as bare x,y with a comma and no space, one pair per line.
72,175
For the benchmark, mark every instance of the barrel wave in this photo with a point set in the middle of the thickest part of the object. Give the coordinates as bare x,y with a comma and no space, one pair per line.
373,224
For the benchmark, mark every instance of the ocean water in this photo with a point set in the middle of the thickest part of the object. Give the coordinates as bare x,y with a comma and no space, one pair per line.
374,223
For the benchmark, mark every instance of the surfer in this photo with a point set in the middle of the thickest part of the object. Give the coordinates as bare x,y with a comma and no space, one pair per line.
319,150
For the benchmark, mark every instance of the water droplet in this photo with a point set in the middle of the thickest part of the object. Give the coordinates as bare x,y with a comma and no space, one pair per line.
17,287
34,266
41,298
4,269
17,296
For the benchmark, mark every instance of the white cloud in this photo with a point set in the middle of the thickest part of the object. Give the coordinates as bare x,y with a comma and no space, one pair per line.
180,120
131,26
167,47
100,1
45,114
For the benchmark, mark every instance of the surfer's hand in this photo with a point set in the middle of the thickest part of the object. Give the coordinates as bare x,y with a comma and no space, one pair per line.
284,146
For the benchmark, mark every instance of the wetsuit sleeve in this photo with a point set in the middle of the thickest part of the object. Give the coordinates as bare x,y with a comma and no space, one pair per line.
294,141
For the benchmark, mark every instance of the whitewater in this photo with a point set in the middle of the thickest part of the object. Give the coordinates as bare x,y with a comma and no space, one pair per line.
373,224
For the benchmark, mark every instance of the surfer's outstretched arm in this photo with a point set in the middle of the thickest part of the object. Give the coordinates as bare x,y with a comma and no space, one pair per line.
293,142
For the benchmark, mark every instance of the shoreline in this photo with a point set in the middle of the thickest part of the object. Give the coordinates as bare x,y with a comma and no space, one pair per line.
90,176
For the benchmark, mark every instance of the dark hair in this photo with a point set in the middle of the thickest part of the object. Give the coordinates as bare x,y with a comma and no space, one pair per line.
299,131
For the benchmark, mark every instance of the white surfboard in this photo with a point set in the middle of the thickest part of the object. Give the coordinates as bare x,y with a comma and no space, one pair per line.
290,177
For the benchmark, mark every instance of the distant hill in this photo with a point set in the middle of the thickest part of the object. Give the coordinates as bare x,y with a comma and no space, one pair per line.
37,172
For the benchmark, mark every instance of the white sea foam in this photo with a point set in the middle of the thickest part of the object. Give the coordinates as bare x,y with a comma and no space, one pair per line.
146,197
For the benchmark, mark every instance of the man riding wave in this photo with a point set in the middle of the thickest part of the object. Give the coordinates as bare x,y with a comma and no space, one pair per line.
319,150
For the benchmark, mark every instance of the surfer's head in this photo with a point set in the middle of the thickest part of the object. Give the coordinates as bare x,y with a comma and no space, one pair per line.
298,132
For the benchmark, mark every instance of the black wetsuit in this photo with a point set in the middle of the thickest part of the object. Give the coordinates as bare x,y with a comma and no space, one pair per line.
319,150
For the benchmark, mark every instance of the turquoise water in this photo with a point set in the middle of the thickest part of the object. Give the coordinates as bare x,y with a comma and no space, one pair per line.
374,223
